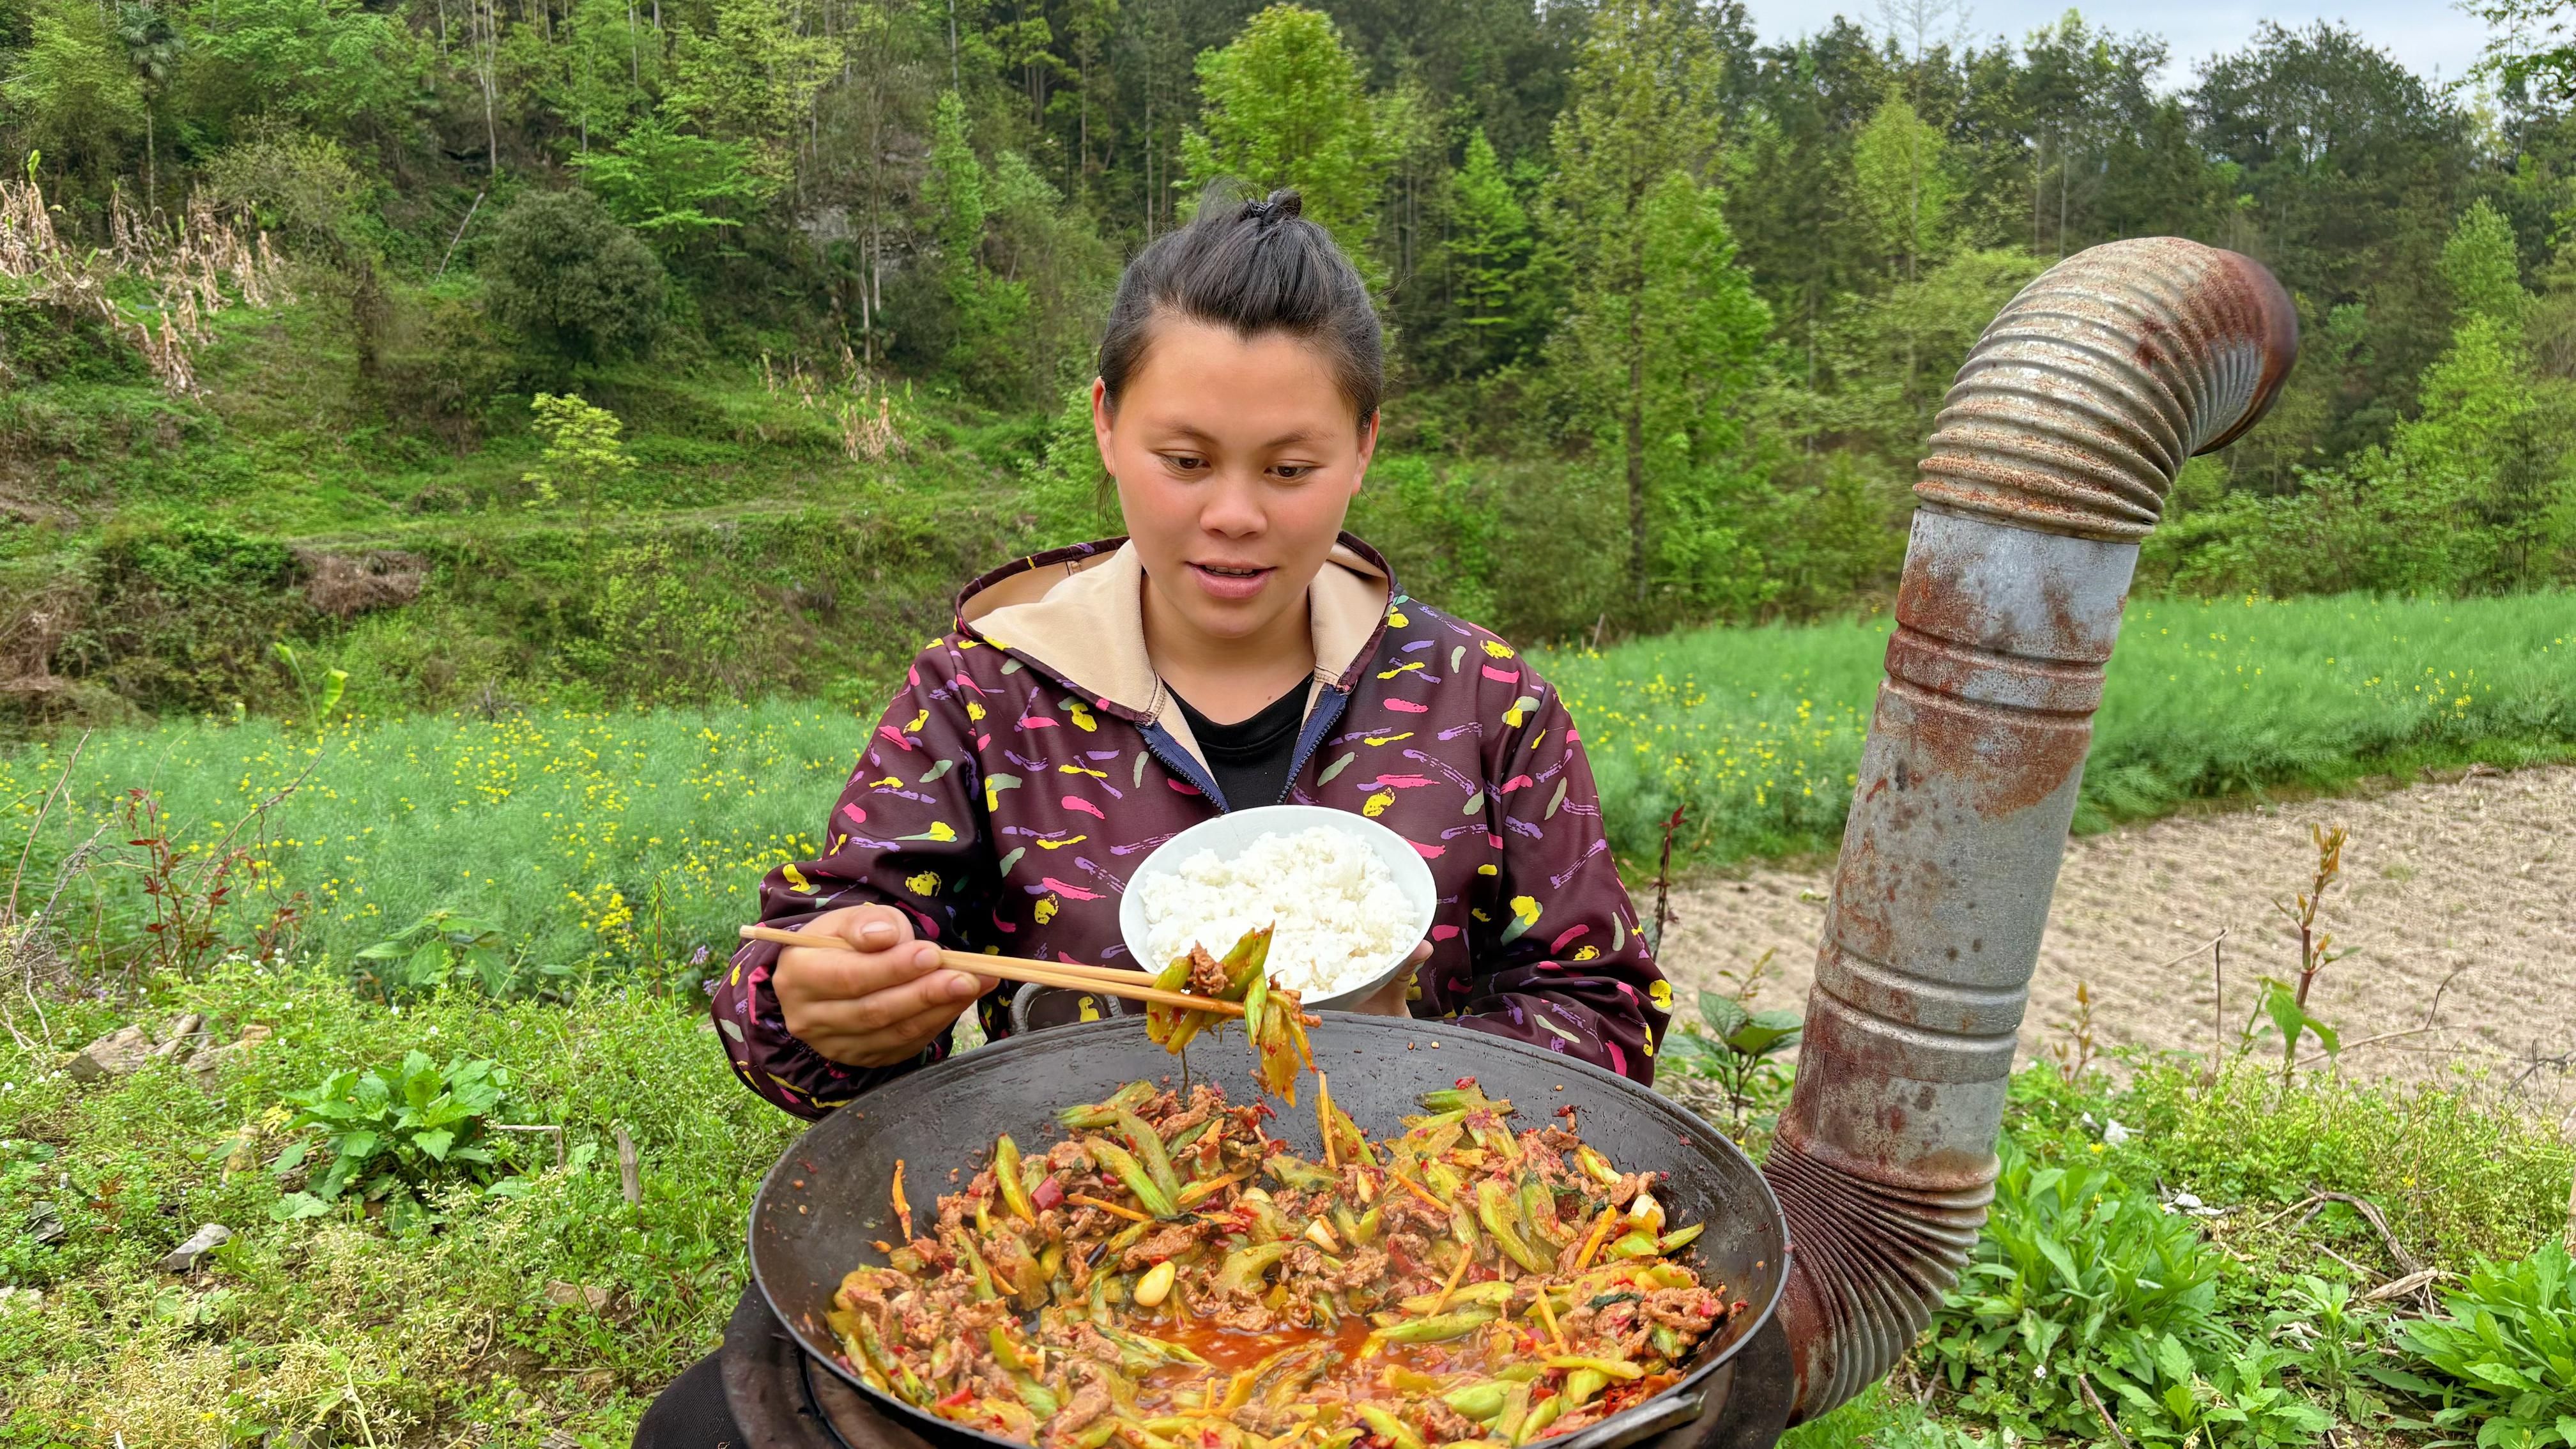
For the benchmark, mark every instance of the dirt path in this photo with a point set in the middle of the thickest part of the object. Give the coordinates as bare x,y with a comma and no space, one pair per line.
2476,875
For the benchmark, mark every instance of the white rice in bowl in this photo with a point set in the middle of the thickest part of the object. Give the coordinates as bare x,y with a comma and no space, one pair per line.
1333,907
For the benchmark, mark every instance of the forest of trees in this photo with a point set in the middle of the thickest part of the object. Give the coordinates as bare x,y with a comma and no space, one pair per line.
1697,294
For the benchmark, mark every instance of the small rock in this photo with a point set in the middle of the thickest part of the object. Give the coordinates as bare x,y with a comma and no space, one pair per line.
184,1036
574,1295
185,1257
45,1225
208,1062
113,1055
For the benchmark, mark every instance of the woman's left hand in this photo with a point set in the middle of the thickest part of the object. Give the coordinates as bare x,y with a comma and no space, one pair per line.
1392,998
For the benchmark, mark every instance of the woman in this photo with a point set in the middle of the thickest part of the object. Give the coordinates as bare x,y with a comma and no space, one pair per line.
1237,649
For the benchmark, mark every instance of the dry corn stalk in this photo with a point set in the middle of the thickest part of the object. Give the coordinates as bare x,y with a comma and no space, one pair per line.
207,261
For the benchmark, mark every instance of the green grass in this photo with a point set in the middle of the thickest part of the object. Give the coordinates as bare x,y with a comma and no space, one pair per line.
1757,732
607,838
409,1338
749,553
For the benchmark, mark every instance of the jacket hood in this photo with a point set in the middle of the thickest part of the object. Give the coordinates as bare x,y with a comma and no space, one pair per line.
1078,613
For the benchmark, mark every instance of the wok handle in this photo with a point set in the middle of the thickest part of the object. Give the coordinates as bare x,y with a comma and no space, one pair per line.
1662,1418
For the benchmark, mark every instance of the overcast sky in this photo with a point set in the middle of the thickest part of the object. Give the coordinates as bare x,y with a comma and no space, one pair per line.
2429,36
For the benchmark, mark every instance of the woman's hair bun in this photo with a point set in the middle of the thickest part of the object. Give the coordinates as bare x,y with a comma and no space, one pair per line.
1252,267
1281,205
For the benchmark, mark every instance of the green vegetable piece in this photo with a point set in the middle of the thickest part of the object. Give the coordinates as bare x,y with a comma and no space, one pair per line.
1365,1231
1100,1114
1480,1401
1149,1148
1439,1327
1538,1209
1496,1293
1389,1427
1129,1171
1636,1245
1256,1004
1538,1420
965,1246
1006,1176
1680,1238
1582,1384
1501,1217
1298,1173
1515,1411
1244,1267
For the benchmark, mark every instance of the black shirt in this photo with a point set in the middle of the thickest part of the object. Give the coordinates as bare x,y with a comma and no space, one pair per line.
1250,759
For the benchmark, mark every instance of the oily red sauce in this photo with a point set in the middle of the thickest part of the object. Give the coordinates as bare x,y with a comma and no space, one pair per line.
1231,1351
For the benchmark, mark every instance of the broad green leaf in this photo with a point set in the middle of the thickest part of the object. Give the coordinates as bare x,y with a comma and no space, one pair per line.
297,1205
2060,1259
435,1143
1723,1014
1765,1033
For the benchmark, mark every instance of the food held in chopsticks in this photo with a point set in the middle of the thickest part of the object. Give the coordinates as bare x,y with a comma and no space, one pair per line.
1274,1020
1169,1277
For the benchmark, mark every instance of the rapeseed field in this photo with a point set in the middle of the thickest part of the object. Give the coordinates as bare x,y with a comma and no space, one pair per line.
606,841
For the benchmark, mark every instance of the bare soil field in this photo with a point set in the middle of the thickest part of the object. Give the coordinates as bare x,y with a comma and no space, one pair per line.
2469,880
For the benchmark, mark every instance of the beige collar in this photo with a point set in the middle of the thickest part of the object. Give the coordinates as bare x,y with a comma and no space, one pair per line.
1084,622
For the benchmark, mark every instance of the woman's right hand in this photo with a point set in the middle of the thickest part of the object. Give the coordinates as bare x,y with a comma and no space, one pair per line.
877,1003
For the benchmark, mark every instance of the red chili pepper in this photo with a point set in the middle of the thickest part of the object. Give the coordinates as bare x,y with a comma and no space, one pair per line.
959,1398
1463,1083
1050,1193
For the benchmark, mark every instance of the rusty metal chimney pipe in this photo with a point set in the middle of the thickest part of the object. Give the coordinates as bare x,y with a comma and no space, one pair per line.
2049,462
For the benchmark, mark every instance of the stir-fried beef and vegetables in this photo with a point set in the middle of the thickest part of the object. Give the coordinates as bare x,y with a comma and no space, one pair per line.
1274,1020
1169,1276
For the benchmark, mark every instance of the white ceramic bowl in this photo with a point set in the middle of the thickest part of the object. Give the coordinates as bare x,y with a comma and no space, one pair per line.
1231,834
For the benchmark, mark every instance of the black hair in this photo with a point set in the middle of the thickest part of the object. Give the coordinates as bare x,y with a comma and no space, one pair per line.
1254,266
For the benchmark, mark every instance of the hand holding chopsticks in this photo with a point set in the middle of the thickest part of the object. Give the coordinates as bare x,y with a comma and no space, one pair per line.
1133,985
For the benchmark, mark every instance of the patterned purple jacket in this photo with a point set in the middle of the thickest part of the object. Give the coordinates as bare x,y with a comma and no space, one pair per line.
1033,758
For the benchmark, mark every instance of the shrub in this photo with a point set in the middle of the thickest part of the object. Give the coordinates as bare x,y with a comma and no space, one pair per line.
577,284
392,1136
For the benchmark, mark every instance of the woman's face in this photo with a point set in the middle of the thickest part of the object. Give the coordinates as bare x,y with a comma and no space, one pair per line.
1236,459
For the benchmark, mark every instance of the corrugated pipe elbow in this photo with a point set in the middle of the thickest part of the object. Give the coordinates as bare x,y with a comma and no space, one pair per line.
2050,460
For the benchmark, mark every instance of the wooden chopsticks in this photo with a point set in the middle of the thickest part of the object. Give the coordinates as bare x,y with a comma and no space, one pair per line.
1133,985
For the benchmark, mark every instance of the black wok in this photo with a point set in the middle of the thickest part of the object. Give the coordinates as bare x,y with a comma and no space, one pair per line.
824,1205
